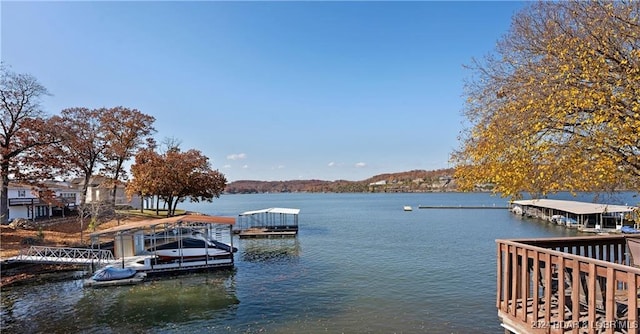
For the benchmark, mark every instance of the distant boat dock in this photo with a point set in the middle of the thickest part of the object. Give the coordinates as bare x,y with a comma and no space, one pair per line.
462,207
586,217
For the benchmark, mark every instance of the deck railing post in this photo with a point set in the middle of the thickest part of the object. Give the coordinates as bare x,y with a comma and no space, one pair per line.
536,282
610,304
575,293
632,299
513,275
524,282
561,290
499,276
548,279
591,295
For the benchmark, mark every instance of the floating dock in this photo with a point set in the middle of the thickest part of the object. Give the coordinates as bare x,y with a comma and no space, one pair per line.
268,223
265,233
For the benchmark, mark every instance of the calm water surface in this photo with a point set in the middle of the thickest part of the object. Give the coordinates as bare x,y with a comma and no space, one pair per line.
359,265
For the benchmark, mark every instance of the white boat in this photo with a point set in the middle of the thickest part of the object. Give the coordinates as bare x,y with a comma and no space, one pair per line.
558,219
188,253
407,208
191,249
517,210
562,220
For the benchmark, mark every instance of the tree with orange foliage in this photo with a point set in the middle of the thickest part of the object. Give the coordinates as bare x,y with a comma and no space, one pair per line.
100,140
175,176
557,107
146,172
82,150
125,131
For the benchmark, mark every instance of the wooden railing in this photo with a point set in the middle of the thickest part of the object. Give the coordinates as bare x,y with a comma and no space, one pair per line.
567,285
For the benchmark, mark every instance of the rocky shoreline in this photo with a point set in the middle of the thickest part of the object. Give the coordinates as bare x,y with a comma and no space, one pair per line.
17,274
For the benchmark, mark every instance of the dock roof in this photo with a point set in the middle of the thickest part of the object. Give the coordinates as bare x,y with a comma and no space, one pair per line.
171,220
580,208
272,210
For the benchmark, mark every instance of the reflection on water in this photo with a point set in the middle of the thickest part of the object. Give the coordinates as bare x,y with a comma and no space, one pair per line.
152,304
360,264
271,249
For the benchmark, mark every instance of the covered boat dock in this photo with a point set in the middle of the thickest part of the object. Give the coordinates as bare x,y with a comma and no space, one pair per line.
267,223
134,244
582,215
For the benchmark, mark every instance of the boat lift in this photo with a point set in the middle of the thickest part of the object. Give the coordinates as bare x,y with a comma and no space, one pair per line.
134,243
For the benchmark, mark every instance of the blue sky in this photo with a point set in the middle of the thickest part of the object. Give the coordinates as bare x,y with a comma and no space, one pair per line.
268,90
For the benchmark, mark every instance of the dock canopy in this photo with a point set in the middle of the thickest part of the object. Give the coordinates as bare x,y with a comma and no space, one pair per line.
578,208
152,223
286,211
271,220
587,217
138,242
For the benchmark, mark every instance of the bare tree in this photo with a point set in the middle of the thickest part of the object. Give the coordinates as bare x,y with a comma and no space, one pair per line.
24,129
97,212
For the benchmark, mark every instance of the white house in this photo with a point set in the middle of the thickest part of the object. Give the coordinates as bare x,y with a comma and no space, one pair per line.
379,183
100,189
25,202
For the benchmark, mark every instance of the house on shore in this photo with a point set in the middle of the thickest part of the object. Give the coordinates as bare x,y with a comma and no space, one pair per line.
51,200
100,189
59,198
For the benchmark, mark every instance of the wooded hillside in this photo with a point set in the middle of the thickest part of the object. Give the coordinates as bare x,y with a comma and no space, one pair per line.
411,181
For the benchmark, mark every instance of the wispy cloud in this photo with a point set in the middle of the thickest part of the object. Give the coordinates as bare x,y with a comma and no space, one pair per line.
236,156
245,166
331,164
361,164
226,166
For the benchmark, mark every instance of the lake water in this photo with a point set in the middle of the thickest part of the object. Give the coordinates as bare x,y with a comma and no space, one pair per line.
359,265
